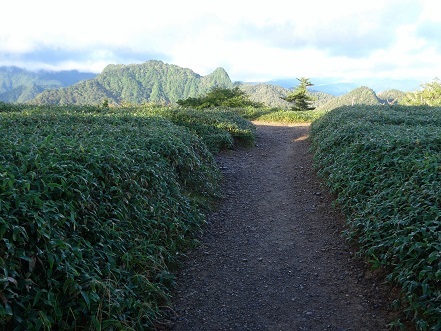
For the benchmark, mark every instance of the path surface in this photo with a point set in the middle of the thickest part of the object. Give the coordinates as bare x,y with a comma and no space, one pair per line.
272,257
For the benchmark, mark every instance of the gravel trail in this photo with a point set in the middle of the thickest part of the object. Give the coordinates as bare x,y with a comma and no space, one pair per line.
272,256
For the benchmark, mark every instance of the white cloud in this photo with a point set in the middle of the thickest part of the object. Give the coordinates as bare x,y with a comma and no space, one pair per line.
252,40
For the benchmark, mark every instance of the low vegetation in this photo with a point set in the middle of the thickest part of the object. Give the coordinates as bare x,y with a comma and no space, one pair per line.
219,128
97,206
238,101
383,165
290,116
98,203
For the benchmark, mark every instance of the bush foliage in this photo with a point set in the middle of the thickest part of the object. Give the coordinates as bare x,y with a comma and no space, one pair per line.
220,97
383,163
219,128
96,207
290,116
429,95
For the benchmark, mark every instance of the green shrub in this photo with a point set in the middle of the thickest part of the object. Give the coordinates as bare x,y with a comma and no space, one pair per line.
220,97
96,207
429,95
253,113
218,128
383,163
283,116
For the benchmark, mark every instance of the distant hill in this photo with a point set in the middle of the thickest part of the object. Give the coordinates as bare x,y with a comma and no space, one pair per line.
20,85
152,81
335,89
338,88
22,93
155,81
361,95
271,95
391,96
321,98
324,101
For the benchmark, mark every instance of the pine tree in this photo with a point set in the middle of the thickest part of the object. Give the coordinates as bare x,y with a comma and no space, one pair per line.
300,98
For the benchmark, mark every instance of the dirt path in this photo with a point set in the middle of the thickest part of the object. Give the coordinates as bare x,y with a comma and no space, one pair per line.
272,257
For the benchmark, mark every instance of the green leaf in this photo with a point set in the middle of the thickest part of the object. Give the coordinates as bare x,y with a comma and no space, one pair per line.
96,324
86,298
36,298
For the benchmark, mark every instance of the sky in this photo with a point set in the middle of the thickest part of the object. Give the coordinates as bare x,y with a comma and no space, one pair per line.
335,40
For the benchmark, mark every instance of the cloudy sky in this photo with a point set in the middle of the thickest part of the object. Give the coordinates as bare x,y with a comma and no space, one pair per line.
253,40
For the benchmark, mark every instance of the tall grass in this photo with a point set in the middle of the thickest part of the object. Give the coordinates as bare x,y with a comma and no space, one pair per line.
276,115
289,116
384,165
220,128
96,208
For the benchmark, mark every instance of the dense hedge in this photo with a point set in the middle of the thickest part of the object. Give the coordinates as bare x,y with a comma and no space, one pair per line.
384,165
96,206
219,128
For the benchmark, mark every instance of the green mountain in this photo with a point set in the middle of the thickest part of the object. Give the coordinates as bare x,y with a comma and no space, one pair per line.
359,96
363,96
321,98
20,85
155,81
152,81
268,94
22,93
391,96
271,95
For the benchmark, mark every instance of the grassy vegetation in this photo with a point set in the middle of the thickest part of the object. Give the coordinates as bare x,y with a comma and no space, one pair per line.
289,116
98,204
383,164
276,115
96,207
218,128
252,113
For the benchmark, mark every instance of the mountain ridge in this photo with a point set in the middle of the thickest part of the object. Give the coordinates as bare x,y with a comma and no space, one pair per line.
21,85
337,88
152,81
159,82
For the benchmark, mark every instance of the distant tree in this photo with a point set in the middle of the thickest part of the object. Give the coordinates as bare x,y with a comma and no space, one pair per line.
220,97
105,103
430,95
299,98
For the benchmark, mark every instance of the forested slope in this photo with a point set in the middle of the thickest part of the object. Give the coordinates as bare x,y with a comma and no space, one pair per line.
20,85
152,81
